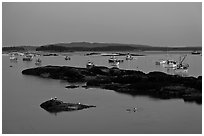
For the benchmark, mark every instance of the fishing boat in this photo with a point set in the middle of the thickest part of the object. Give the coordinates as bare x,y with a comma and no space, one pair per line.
38,61
129,57
181,66
90,65
28,57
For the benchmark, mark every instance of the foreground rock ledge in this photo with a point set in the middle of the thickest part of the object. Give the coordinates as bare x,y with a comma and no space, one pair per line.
54,106
154,84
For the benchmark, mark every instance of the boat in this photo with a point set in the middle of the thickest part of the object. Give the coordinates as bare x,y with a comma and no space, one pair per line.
170,64
129,57
38,61
182,66
67,58
195,53
28,57
13,57
90,65
113,59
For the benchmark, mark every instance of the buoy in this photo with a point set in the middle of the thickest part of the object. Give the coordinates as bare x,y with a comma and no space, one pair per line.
135,109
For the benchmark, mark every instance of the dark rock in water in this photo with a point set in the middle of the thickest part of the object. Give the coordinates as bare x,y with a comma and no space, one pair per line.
54,106
154,84
72,86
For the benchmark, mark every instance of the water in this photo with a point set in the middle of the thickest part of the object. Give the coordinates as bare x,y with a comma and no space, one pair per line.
22,96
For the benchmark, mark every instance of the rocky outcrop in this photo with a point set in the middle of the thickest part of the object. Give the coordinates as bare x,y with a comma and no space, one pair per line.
154,84
55,105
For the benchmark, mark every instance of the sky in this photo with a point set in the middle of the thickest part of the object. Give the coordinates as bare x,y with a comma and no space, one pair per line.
156,24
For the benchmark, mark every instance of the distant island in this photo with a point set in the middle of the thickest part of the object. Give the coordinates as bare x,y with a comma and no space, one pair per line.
87,46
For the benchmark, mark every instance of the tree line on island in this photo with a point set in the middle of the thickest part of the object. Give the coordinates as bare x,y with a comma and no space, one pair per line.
86,46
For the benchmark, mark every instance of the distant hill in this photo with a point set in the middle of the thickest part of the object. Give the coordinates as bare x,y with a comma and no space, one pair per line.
70,49
90,45
86,46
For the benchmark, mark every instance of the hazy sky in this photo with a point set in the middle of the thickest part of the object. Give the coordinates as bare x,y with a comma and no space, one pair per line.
157,24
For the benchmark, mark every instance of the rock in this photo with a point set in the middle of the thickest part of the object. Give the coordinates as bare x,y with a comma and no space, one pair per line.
55,105
155,84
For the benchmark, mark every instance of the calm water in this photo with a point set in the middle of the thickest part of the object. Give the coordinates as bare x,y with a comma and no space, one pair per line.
22,96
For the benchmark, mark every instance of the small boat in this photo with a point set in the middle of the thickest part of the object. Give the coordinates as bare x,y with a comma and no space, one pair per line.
129,57
195,53
67,58
90,65
28,57
38,61
113,59
13,58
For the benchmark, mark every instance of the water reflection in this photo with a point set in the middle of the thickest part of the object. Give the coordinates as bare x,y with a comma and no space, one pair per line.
158,97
